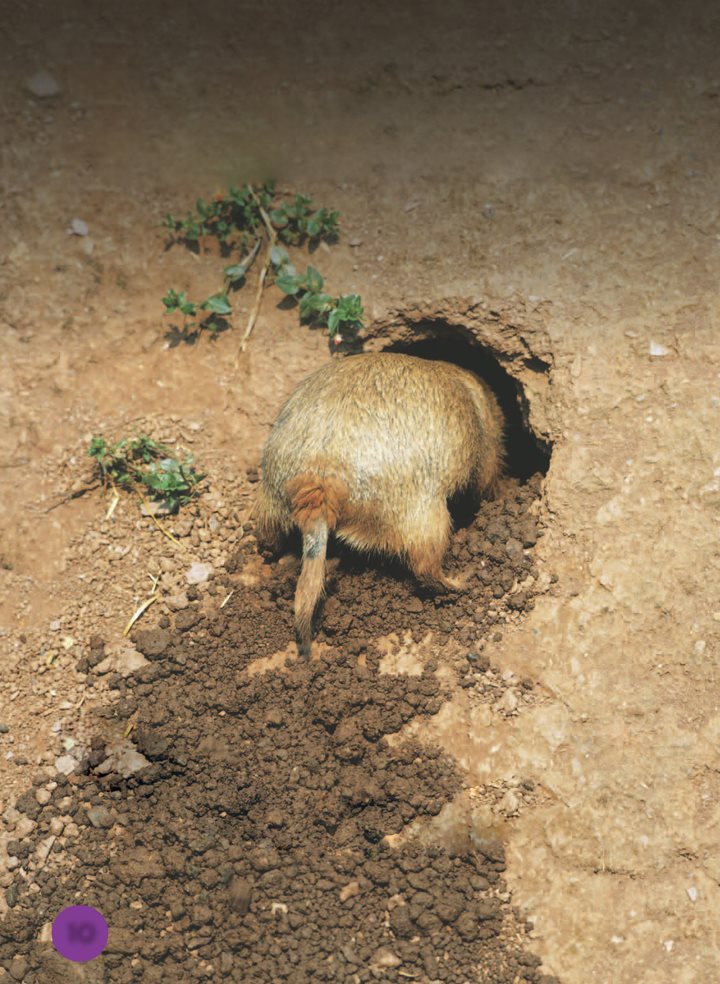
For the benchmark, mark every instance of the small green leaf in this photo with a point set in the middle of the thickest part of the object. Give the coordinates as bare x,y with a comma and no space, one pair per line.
334,321
279,217
289,284
98,448
313,280
171,300
314,305
279,257
218,304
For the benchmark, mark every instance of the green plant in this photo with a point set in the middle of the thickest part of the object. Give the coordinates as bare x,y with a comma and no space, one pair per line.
296,221
218,307
237,215
259,212
343,315
346,318
232,218
144,465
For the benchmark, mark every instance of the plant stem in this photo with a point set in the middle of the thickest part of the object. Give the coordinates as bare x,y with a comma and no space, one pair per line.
263,274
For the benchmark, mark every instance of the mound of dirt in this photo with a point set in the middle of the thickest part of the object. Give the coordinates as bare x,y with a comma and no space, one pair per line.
252,846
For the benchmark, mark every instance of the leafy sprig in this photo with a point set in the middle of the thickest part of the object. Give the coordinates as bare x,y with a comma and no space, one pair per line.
143,464
259,212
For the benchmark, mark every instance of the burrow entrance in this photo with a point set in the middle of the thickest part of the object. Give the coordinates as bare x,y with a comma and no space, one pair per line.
527,454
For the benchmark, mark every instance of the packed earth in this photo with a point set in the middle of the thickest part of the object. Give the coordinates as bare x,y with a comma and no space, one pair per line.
515,782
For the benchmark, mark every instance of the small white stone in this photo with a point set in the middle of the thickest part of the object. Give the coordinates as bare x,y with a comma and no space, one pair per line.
66,764
79,228
510,701
42,796
121,657
123,758
24,827
43,85
669,944
349,891
44,847
198,573
56,826
657,351
510,802
177,602
384,958
11,816
699,647
692,893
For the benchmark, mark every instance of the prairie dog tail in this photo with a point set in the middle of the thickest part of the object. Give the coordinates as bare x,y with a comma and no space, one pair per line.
316,505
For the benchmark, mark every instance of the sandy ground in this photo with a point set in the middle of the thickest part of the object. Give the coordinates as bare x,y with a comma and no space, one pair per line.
557,165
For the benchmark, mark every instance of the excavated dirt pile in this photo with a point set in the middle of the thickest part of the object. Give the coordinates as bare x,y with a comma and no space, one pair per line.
251,847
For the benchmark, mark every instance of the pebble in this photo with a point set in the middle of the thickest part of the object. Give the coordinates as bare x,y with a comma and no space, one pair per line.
100,816
56,826
79,228
240,895
121,658
514,549
385,958
43,796
123,759
155,509
658,351
349,891
18,967
692,893
11,816
44,847
43,85
510,701
24,827
4,728
65,764
177,602
199,573
510,802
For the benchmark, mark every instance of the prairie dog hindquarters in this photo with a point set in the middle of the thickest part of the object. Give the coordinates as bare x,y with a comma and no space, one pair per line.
370,448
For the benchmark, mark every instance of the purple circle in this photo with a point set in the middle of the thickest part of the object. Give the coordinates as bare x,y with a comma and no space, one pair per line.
79,933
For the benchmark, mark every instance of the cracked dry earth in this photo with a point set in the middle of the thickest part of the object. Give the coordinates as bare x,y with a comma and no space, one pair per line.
539,180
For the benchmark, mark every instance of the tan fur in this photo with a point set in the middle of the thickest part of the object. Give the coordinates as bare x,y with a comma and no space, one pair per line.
371,447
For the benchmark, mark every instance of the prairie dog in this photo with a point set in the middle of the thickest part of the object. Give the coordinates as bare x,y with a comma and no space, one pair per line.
371,447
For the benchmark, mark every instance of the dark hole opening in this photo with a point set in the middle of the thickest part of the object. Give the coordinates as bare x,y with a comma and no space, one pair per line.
526,454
